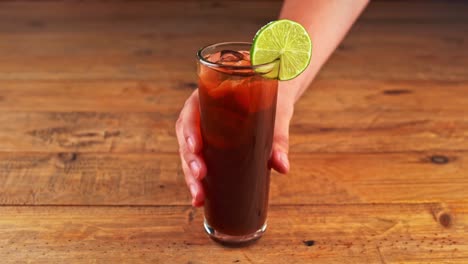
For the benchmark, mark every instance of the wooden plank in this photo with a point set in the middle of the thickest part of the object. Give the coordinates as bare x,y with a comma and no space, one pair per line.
39,45
166,95
70,178
169,94
373,178
390,133
400,52
367,233
15,14
366,132
92,16
156,179
350,131
393,116
381,95
46,56
416,10
145,40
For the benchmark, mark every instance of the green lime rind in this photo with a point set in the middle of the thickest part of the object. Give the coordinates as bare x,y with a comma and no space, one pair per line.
285,43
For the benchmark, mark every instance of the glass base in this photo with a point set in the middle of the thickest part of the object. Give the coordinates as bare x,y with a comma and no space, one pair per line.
234,241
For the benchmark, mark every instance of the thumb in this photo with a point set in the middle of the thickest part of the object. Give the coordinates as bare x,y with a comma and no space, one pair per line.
279,159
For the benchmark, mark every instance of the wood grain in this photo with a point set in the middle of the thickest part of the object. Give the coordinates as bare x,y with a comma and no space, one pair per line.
147,132
169,93
89,171
156,179
95,117
364,233
142,41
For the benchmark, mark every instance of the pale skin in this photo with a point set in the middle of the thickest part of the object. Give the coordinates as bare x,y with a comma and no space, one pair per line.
327,22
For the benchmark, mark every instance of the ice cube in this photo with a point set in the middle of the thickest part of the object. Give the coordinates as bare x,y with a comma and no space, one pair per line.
246,54
231,56
214,58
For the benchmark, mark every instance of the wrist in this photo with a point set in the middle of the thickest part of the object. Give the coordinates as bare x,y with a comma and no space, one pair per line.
290,90
286,99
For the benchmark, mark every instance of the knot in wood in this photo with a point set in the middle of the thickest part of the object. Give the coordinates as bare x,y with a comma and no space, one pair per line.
67,156
445,219
439,159
309,243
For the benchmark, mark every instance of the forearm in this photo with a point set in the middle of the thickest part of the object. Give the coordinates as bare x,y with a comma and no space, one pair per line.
327,22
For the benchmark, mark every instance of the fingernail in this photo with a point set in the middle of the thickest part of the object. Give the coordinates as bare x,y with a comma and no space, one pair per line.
284,160
193,191
191,144
195,167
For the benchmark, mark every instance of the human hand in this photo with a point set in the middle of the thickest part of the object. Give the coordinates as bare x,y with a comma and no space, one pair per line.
191,144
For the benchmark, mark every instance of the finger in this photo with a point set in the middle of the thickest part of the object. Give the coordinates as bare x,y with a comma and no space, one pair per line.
195,187
195,163
191,128
279,159
187,123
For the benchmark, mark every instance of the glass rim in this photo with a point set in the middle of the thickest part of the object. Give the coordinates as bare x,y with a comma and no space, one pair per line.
230,67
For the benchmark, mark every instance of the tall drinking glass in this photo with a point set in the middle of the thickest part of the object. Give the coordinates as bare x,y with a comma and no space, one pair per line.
238,107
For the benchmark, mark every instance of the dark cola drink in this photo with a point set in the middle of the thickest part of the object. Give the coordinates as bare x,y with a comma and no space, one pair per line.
238,108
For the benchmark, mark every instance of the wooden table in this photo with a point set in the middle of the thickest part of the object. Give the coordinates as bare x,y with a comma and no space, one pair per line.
89,171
